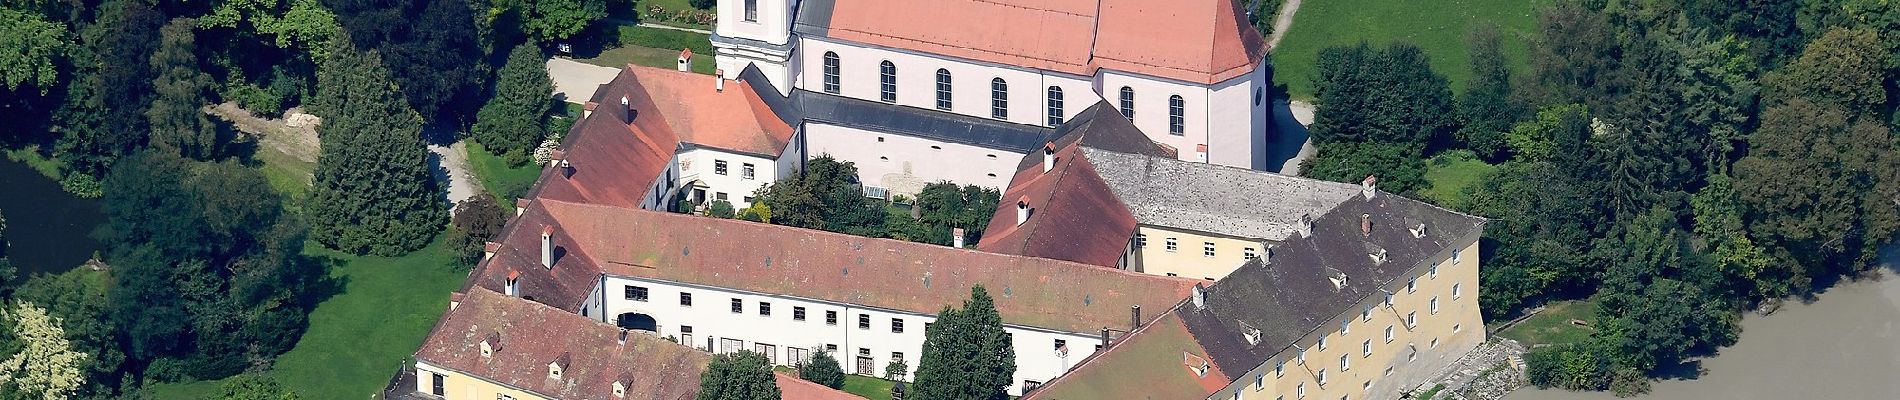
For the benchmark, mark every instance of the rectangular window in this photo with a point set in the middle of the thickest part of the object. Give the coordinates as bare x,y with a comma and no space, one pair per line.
1455,291
1411,285
798,313
1345,362
1388,300
1366,348
1207,249
1433,272
1171,245
747,171
721,196
636,293
1454,256
897,325
864,321
1061,343
686,299
765,309
719,167
1345,327
738,306
1366,314
1434,305
1030,385
751,10
1141,240
1321,377
831,317
1411,319
1322,343
1300,391
1259,382
1279,369
1388,334
831,348
1247,253
437,387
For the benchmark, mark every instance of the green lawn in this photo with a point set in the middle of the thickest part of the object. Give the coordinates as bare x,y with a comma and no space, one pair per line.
868,387
502,181
1450,174
655,47
287,174
1553,325
1438,26
358,337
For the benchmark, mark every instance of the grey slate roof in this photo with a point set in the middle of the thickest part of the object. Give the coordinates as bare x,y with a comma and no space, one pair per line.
813,18
1214,198
1289,295
807,106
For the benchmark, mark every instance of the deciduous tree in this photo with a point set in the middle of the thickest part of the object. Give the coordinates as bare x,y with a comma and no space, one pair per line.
35,48
823,370
1486,106
743,375
46,366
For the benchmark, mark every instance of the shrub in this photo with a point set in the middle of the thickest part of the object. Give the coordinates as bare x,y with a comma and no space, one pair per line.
703,4
1628,382
720,209
823,370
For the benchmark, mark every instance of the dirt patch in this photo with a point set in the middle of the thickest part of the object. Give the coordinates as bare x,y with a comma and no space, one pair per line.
298,141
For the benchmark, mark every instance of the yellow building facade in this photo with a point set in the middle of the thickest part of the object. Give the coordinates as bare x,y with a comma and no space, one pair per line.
1380,350
1189,254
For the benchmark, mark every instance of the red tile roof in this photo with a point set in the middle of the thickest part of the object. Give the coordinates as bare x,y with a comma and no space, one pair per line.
1083,220
1148,364
766,258
614,162
532,335
792,388
1200,41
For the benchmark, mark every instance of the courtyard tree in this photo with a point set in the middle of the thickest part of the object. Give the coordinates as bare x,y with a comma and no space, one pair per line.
966,354
374,192
823,370
742,375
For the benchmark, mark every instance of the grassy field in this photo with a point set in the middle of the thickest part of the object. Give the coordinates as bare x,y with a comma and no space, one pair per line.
1553,325
655,47
1450,174
394,300
868,387
502,181
1437,26
287,174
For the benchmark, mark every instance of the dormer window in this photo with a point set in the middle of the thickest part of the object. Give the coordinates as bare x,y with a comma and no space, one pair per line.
491,344
1418,232
1378,257
559,365
620,389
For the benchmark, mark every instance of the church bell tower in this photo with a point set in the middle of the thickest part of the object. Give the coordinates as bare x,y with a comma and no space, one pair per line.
756,32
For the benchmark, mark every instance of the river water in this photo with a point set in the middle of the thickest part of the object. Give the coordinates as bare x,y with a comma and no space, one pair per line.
1846,345
47,229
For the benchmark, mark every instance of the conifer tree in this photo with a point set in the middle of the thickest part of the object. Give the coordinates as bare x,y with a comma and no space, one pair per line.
374,192
967,355
823,370
178,126
512,121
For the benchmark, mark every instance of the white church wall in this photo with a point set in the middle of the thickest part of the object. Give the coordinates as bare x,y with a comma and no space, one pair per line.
904,164
917,80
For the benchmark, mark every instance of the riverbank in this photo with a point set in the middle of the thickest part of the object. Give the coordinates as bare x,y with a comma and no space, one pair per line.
48,229
1844,345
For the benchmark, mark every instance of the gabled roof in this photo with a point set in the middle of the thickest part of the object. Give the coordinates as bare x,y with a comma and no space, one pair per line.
1148,365
534,335
1074,217
614,161
1199,41
881,273
1286,296
792,388
1212,198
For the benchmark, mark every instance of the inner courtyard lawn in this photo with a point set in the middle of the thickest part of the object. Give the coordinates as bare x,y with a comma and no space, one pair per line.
1438,26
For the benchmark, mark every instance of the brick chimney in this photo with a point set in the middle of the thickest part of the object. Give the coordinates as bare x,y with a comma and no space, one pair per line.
1134,317
1365,224
547,247
1369,187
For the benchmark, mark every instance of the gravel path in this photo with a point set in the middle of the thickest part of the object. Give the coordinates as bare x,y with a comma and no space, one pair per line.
452,169
575,81
1282,21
